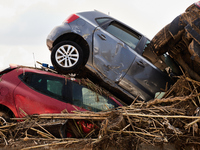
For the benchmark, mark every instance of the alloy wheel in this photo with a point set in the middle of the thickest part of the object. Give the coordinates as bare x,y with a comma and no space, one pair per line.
67,56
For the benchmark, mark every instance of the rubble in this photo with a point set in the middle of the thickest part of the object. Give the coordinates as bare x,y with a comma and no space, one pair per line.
171,121
181,40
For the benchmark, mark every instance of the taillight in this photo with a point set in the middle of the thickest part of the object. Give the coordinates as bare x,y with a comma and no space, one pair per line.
71,18
198,3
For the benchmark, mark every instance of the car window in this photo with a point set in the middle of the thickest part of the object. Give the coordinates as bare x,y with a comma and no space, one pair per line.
147,42
124,34
49,85
90,100
102,21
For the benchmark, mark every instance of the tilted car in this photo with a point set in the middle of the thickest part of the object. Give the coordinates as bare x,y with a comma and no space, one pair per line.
111,50
33,91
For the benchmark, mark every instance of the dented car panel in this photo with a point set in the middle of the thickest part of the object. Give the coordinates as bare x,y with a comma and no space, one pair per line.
112,51
111,56
85,30
57,32
142,79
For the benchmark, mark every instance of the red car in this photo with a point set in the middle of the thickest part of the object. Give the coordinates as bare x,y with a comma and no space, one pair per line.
30,91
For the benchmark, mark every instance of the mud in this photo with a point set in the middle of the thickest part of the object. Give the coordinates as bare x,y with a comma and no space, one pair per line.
181,40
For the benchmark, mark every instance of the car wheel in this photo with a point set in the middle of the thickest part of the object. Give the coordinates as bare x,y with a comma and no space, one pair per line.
159,42
67,57
4,118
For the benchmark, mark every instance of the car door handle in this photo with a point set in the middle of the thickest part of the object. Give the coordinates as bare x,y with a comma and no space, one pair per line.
140,63
102,36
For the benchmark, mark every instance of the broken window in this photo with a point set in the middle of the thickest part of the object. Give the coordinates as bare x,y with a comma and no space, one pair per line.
90,100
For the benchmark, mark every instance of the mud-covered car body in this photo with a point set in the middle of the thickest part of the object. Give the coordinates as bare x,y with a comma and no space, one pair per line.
181,39
26,91
111,50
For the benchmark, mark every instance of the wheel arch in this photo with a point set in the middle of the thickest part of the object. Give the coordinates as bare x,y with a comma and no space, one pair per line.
77,39
7,110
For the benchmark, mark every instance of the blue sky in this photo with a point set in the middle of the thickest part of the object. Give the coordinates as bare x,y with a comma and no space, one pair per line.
25,24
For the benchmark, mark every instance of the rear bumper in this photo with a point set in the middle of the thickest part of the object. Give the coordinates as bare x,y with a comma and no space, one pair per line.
49,44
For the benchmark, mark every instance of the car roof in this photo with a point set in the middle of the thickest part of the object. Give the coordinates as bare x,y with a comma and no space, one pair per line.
92,15
32,69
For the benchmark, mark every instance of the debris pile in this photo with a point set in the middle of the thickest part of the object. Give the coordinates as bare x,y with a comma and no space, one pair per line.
172,119
180,39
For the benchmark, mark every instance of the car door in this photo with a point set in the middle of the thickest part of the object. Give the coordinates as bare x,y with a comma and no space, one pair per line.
112,57
38,94
143,79
118,54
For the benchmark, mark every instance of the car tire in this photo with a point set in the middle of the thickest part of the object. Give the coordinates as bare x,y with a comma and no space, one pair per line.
159,42
67,57
4,118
